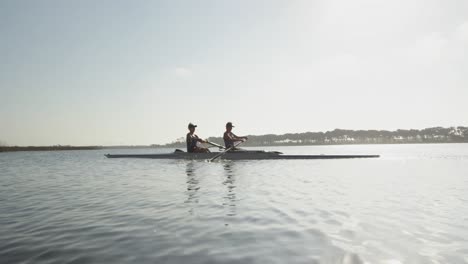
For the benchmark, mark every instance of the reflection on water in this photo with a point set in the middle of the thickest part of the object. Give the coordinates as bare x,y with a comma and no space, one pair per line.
409,206
228,180
230,198
192,185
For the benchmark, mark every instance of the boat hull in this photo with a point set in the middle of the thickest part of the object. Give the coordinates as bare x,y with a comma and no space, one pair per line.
236,155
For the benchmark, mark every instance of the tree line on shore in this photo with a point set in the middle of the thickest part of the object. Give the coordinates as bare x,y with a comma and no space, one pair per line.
4,148
335,137
346,136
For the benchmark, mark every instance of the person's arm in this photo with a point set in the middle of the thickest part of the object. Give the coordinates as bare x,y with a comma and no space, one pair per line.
199,139
238,138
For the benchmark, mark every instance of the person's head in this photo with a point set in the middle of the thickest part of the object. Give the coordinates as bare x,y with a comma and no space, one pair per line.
191,127
229,126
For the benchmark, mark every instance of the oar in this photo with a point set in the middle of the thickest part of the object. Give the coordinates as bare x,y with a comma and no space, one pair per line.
226,150
214,144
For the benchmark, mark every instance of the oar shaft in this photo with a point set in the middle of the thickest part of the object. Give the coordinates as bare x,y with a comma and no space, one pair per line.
225,151
214,144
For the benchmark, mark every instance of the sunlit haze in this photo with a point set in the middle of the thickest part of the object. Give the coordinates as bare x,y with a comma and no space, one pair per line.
137,72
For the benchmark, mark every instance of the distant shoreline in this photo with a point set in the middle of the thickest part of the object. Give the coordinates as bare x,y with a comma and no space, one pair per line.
317,144
352,137
431,135
55,148
64,148
46,148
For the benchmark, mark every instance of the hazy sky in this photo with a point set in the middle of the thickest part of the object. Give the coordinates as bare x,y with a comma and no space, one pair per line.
105,72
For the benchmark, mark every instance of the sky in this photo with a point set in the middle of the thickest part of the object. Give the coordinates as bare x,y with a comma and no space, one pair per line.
114,72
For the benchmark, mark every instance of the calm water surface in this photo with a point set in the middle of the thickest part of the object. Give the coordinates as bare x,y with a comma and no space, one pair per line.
409,206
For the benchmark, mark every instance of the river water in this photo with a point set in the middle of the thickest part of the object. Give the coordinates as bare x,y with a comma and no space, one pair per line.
408,206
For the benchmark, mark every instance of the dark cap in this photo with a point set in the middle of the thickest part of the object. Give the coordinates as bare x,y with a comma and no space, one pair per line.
229,124
190,125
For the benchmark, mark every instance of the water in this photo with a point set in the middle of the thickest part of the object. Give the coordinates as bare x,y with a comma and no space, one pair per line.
409,206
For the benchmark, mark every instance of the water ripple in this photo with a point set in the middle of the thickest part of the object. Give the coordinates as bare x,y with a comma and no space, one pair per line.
79,207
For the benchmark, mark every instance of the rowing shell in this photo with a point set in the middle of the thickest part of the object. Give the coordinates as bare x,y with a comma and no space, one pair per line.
236,155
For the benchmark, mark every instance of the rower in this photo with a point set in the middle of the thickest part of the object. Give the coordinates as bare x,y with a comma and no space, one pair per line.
230,138
193,140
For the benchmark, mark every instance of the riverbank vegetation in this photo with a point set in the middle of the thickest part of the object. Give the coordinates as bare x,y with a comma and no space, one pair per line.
346,136
334,137
45,148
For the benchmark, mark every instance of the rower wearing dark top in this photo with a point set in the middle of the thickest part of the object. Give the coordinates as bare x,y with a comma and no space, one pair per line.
192,139
230,138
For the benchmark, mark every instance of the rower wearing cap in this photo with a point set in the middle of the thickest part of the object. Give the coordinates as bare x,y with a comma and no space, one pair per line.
229,137
192,139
